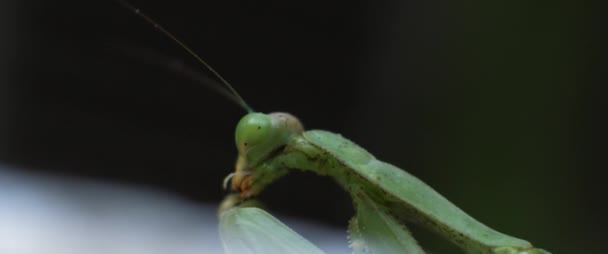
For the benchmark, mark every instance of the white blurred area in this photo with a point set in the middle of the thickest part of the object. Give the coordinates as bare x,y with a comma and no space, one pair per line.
59,215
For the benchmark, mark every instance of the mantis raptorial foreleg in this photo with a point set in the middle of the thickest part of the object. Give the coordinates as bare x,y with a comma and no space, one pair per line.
374,230
251,230
245,228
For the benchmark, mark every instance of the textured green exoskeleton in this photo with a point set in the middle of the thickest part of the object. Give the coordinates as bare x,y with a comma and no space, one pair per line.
385,196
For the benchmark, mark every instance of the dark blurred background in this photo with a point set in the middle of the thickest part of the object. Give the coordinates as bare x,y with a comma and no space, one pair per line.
496,104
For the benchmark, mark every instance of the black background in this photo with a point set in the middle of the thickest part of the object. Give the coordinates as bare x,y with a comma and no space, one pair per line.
499,106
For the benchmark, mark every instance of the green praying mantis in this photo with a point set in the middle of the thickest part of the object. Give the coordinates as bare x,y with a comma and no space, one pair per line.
386,198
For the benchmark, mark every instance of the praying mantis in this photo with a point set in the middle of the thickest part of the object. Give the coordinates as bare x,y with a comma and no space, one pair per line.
385,197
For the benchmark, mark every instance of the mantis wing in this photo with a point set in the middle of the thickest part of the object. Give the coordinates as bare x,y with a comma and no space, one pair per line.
373,230
251,230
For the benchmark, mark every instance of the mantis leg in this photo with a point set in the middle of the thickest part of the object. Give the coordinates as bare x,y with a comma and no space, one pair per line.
374,230
251,230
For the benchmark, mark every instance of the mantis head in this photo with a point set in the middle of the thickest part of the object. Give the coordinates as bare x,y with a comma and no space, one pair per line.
259,137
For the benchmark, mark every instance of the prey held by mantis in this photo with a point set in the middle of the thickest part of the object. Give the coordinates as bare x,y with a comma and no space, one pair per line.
385,197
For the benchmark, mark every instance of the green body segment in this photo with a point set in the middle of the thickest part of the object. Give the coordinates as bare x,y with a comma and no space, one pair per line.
374,231
253,231
411,199
408,198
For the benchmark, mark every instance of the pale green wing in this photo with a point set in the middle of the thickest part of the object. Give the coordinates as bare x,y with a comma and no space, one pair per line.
374,231
253,231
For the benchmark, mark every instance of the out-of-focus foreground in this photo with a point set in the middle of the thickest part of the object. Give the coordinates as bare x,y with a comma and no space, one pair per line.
58,215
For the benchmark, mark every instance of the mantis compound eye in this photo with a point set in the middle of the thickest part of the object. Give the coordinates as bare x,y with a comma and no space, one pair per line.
254,130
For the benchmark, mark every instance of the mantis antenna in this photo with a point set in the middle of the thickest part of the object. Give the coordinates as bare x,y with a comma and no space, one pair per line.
164,31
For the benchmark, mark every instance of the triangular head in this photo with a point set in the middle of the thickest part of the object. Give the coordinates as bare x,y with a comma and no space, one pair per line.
258,137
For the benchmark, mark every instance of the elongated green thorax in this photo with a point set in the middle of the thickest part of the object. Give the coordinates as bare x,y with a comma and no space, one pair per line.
271,144
258,137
